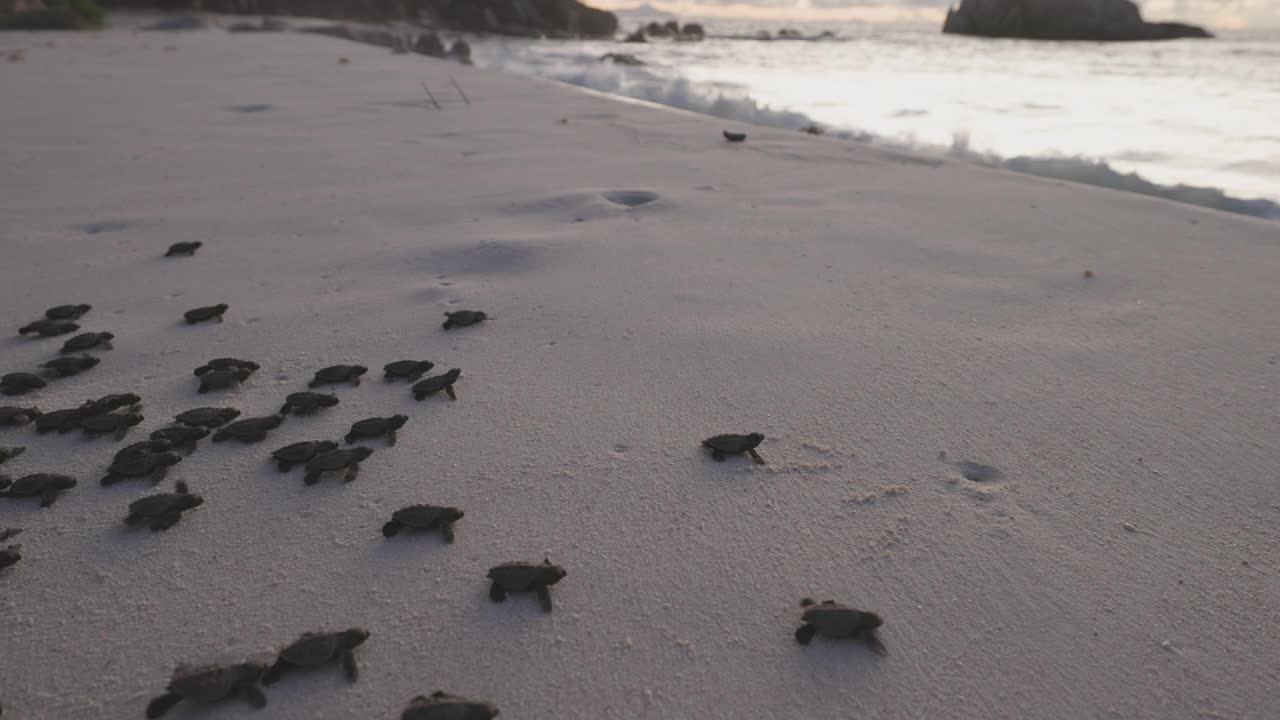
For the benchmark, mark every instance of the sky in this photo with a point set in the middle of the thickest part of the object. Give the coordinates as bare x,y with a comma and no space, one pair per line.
1214,13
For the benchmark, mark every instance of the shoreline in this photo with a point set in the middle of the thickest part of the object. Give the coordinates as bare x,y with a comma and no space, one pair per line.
880,318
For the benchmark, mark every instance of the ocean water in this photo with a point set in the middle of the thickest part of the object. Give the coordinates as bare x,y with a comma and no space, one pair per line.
1182,119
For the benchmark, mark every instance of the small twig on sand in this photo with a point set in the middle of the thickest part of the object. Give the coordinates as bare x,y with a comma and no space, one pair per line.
431,97
459,89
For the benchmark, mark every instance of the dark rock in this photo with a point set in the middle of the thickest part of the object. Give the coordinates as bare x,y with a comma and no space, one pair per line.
636,37
429,44
1099,20
460,51
789,34
692,30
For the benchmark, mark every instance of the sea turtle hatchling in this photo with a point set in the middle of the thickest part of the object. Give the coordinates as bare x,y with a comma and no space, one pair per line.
335,460
306,403
20,383
409,370
14,416
181,436
227,363
117,424
435,383
249,430
732,444
162,510
186,249
10,556
428,518
141,465
107,403
68,366
45,486
61,420
376,427
143,447
335,374
88,341
525,577
48,328
318,648
440,705
9,453
833,620
67,312
207,417
300,453
208,312
463,318
209,684
222,379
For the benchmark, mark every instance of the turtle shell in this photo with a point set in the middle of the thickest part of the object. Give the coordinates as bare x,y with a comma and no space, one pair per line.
301,452
252,426
338,459
58,420
443,706
378,425
524,575
179,435
67,312
839,621
205,684
405,368
311,649
35,484
143,463
339,373
425,516
209,417
734,443
436,383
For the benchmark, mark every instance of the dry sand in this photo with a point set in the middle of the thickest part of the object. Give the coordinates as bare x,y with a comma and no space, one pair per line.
866,311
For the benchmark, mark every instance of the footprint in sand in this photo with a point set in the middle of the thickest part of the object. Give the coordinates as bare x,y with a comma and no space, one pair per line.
249,108
630,198
977,472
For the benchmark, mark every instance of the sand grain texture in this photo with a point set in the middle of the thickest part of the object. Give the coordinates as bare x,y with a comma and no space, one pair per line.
649,285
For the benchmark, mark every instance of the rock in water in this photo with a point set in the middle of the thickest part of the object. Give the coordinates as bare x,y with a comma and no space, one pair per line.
1104,20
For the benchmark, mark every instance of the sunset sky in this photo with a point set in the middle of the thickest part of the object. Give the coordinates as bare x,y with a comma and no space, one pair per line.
1216,13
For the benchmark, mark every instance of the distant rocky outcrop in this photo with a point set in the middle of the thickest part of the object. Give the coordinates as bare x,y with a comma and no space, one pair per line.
1103,20
526,18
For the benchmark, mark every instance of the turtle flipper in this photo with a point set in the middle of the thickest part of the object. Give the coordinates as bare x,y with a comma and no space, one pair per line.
162,704
275,672
283,466
448,390
48,497
497,593
391,438
254,695
447,532
391,528
111,479
873,642
312,477
165,521
349,665
352,471
755,456
544,598
717,456
805,633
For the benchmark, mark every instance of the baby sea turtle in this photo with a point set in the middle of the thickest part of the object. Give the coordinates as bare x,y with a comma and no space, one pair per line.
339,374
435,383
249,430
45,486
162,510
9,453
183,248
208,312
463,318
406,369
440,705
181,436
110,423
20,383
833,620
376,426
209,684
61,420
48,328
13,416
734,136
222,379
525,577
88,341
67,312
68,366
300,453
227,363
208,417
306,403
10,555
141,465
335,460
107,403
317,648
731,444
423,517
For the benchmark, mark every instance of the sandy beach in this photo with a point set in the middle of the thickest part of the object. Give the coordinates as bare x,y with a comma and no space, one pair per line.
881,318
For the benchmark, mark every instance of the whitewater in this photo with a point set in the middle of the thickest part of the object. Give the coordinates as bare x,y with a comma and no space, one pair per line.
1189,120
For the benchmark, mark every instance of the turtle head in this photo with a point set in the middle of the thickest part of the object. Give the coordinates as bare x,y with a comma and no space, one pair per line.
755,438
5,481
107,336
397,421
242,373
168,459
325,446
552,572
186,501
251,671
89,361
453,374
361,452
328,400
132,419
82,309
222,307
453,514
63,482
358,370
353,637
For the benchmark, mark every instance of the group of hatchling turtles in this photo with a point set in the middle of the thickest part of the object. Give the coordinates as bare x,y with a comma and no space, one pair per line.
150,459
